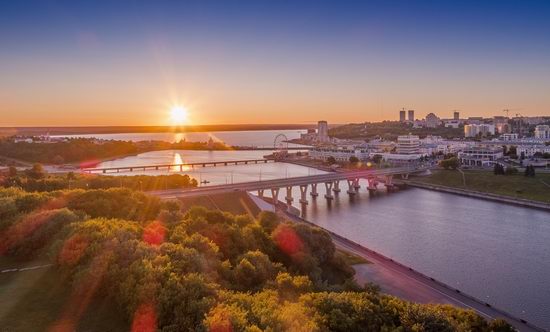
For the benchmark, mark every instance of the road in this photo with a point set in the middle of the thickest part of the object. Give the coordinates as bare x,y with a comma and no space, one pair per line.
408,284
281,183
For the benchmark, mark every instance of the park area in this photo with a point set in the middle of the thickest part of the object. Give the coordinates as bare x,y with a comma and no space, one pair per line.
535,188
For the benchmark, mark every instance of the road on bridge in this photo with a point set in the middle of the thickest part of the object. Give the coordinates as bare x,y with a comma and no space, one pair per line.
281,183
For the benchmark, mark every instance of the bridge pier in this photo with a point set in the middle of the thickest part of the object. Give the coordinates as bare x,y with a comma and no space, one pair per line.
260,193
314,192
303,192
372,182
328,187
405,176
351,187
389,183
288,197
181,168
336,188
275,196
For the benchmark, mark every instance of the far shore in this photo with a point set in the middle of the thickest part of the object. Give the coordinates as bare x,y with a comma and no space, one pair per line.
87,130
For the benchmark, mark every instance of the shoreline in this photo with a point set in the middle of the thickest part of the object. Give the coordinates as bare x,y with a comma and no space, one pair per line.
481,195
455,295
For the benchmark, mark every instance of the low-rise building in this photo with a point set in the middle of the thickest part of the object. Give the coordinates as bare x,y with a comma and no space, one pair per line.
509,137
408,144
531,150
432,121
341,154
474,130
454,123
542,132
480,156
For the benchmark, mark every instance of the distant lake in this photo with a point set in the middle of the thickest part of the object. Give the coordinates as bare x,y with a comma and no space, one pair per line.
255,138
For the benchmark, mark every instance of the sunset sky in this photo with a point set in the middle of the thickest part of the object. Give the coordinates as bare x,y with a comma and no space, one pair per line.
127,63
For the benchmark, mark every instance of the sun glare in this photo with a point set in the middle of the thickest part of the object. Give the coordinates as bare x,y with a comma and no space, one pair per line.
179,115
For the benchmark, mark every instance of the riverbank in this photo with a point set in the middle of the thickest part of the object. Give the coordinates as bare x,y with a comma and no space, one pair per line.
404,282
512,189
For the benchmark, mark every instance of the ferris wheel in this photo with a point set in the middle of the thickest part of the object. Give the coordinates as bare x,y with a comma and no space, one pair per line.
280,143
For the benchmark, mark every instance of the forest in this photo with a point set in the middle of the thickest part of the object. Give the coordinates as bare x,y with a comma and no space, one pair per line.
203,270
37,179
89,152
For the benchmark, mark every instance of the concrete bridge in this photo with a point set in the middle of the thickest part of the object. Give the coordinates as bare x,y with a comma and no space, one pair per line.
180,166
330,181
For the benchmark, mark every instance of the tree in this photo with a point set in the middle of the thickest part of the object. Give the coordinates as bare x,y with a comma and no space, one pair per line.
36,172
377,158
58,160
331,160
451,163
498,169
530,171
511,170
12,171
353,159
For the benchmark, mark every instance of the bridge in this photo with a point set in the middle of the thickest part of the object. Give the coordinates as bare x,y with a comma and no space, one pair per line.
331,182
176,166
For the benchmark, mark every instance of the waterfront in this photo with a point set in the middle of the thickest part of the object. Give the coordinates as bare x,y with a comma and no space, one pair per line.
496,252
252,138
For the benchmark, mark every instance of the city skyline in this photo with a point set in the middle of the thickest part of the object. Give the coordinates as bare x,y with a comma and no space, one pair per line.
260,62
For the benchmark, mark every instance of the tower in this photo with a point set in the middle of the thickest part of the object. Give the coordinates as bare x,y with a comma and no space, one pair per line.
411,115
456,115
402,116
322,131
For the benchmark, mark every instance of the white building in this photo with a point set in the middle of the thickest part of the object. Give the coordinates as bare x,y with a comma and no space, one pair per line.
341,154
399,159
322,132
408,144
542,132
509,137
454,123
473,130
379,145
310,135
480,155
530,150
432,121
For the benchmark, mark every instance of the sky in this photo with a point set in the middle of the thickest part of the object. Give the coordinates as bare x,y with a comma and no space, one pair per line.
76,63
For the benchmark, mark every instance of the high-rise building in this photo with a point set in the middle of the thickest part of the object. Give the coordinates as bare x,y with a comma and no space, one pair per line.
411,115
402,116
322,131
408,144
456,115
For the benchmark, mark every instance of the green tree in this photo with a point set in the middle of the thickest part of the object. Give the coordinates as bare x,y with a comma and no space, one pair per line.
12,171
36,172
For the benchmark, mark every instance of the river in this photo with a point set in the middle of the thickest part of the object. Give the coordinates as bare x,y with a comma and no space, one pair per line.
256,138
496,252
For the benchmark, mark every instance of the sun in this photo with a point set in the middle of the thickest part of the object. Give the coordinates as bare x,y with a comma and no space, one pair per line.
178,115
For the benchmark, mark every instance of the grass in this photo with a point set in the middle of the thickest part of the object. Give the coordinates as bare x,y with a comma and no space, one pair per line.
536,189
34,300
350,258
